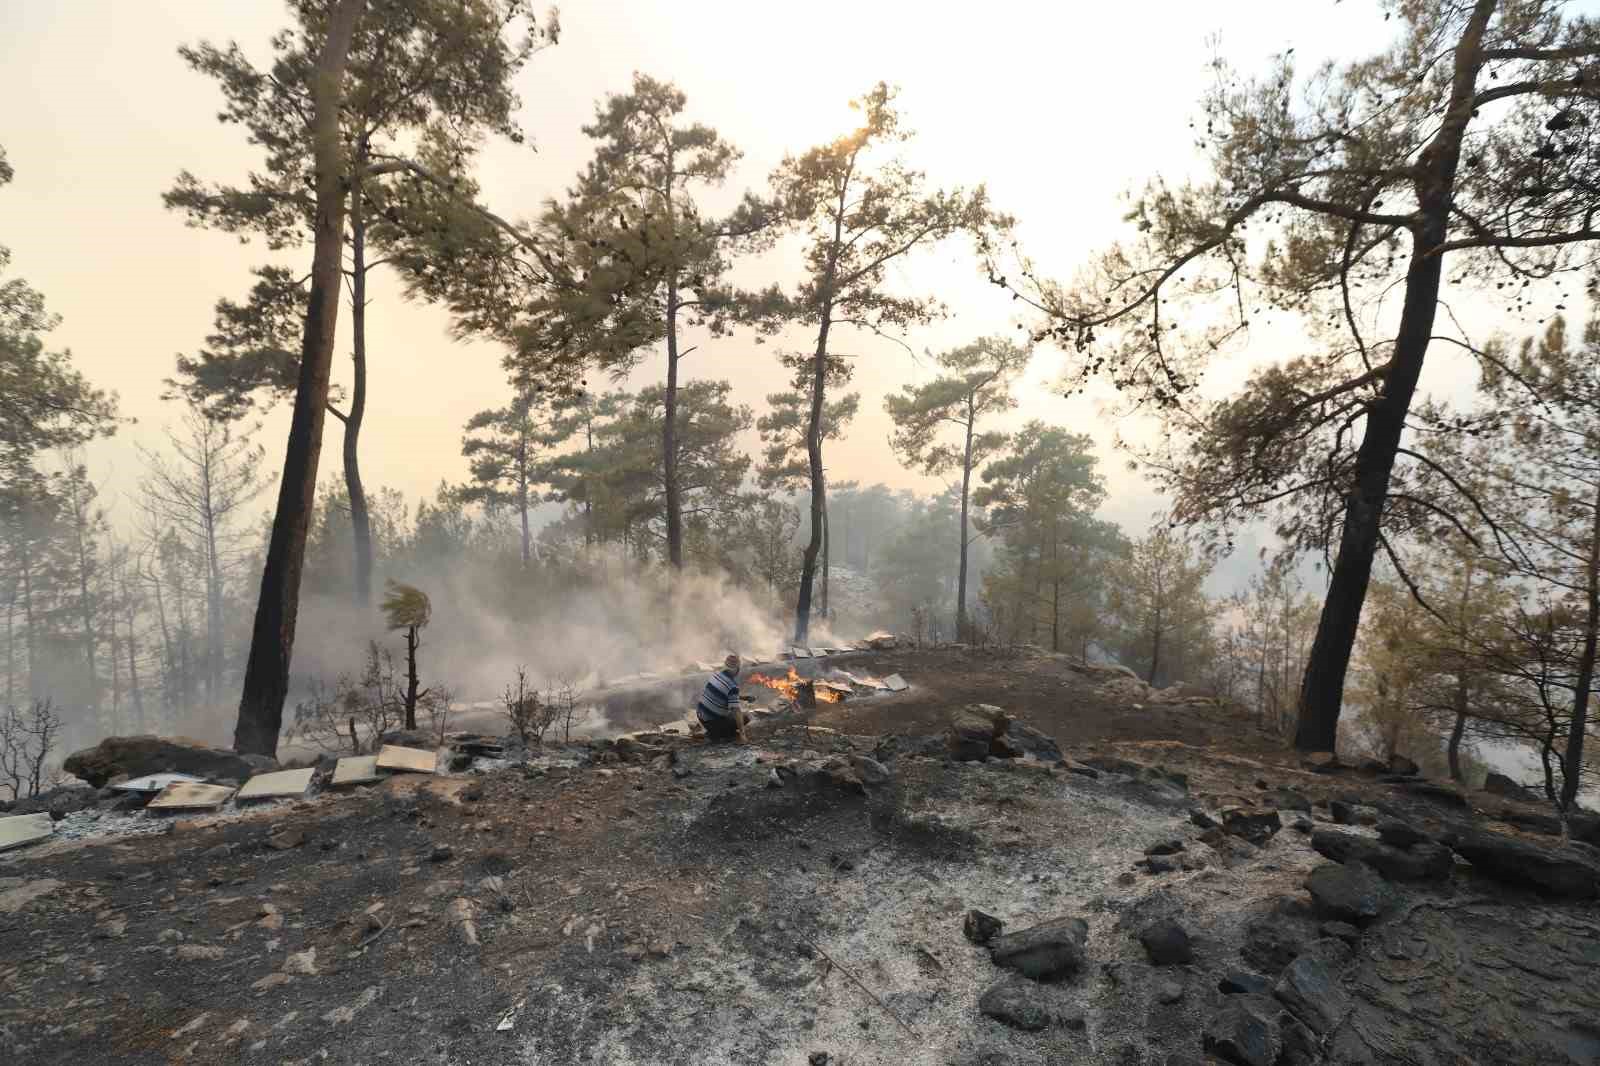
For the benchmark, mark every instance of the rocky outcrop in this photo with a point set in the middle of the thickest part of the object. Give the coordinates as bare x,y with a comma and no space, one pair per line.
137,756
1421,862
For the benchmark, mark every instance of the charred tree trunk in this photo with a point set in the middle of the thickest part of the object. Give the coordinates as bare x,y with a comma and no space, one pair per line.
1322,689
411,677
266,678
827,556
360,517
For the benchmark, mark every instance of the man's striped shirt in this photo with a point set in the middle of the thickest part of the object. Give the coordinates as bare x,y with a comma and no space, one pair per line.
721,695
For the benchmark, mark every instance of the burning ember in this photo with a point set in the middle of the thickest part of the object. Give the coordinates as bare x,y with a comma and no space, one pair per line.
792,685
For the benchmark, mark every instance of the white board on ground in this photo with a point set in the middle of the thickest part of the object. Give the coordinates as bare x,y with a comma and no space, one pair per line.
22,829
355,770
414,760
800,653
189,796
896,683
153,783
278,784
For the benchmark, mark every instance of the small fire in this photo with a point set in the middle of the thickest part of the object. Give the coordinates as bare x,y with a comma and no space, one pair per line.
790,686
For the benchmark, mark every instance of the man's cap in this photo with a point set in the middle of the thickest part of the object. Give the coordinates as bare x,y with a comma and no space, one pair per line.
731,662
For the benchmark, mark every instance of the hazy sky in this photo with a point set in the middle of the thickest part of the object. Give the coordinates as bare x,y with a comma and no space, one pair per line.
1060,108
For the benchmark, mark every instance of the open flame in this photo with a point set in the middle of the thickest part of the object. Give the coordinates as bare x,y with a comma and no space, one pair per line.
790,686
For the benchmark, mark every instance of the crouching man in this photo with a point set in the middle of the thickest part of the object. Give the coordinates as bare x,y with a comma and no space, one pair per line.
720,710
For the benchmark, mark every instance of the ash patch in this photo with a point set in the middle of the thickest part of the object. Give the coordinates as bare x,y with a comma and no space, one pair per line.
750,816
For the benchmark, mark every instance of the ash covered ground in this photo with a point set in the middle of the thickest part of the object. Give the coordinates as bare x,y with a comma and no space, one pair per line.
805,899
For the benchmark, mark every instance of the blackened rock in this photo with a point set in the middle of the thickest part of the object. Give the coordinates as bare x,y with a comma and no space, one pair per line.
1160,864
1341,931
1501,785
1167,944
1399,764
140,755
980,928
1272,941
1257,827
1245,1031
1002,747
1442,794
1287,799
1564,873
1026,1006
1051,949
1347,892
897,747
1422,862
1398,834
1308,989
1243,983
1300,1045
1033,742
1165,847
1202,819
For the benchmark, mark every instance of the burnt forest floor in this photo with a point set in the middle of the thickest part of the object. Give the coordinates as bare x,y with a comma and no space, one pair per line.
689,903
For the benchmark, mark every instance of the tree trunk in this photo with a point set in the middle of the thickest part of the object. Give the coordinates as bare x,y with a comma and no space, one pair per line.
966,487
827,556
1155,649
266,678
522,496
360,518
808,559
1463,688
411,677
669,437
1572,758
80,520
1322,689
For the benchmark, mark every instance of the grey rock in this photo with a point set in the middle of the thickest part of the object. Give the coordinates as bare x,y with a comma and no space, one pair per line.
1303,824
1256,826
1167,943
980,928
1169,991
872,772
1026,1006
1243,983
1564,873
1033,742
1202,819
1394,832
1272,941
1246,1031
1051,949
1308,989
1286,799
1347,813
970,736
1342,931
1348,892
